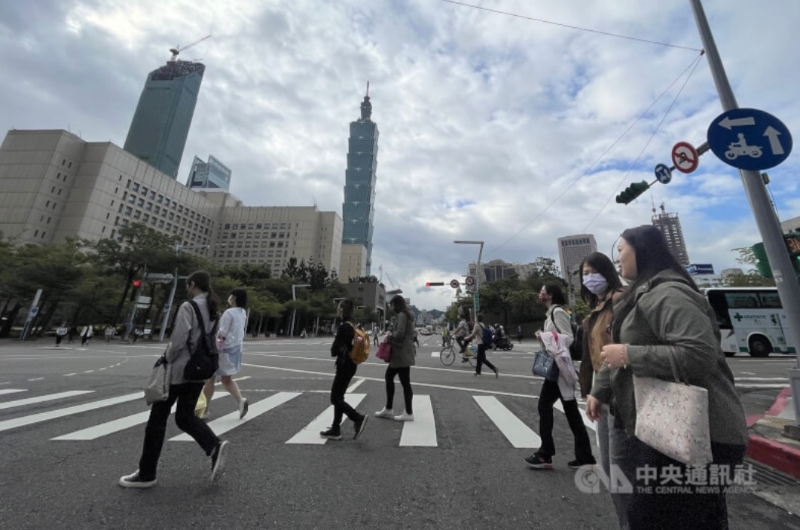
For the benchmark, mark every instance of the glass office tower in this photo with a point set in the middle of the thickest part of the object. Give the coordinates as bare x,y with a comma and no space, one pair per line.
209,175
358,208
161,123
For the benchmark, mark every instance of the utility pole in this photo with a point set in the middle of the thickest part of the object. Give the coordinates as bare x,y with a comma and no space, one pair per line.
767,222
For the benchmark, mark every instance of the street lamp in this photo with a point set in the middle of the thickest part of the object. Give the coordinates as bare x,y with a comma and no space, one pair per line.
476,298
294,310
168,307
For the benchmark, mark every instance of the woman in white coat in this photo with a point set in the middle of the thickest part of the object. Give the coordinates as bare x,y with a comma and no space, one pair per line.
229,343
557,321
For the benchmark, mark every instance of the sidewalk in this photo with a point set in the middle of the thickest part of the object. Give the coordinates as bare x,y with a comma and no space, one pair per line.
768,444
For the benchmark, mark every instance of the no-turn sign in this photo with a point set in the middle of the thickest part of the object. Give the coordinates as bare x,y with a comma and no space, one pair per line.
685,157
454,284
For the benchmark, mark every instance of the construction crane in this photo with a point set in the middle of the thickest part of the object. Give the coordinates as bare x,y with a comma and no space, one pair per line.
396,289
177,49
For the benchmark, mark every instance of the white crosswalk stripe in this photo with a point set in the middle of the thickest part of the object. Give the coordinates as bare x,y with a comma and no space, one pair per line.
520,435
11,391
42,399
231,421
310,433
422,431
60,413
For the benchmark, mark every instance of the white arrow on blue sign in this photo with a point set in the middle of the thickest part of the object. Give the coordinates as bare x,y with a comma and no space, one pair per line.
663,174
749,139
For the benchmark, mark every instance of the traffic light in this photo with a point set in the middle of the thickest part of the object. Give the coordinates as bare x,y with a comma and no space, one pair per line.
762,263
632,191
434,284
136,285
792,240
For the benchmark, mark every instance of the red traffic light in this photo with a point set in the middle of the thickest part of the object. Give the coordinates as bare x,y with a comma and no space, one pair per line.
434,284
137,283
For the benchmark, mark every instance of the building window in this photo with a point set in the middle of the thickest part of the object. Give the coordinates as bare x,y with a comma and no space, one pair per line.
137,214
131,199
135,186
58,177
161,224
36,234
258,226
140,202
166,202
152,194
171,216
53,189
108,215
145,218
54,205
156,210
103,231
160,199
227,226
180,209
149,206
43,234
69,165
47,204
128,186
63,161
128,210
144,190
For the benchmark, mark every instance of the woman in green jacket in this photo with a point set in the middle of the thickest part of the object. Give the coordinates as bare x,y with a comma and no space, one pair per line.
662,316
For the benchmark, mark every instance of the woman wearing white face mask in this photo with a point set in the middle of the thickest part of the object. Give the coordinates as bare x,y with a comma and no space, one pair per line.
601,289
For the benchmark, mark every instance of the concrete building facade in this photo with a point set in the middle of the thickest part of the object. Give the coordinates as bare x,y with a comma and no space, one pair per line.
55,186
571,252
670,225
354,261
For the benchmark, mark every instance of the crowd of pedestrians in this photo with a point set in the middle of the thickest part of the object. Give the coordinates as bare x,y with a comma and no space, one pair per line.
657,325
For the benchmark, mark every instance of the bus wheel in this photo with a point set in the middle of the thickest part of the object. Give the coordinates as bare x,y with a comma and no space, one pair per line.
760,346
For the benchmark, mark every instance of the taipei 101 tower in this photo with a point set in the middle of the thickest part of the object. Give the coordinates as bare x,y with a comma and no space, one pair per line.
358,208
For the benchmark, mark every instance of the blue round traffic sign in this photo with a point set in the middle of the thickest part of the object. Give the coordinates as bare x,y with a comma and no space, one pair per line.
663,174
749,139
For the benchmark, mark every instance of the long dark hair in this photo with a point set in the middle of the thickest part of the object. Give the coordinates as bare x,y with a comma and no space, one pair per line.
202,280
602,264
554,290
347,309
399,306
652,256
240,296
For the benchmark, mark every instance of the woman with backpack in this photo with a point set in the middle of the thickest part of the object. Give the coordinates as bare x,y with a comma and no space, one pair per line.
483,337
345,370
403,358
187,333
558,321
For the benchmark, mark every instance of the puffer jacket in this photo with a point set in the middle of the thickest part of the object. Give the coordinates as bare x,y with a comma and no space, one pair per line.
403,351
670,317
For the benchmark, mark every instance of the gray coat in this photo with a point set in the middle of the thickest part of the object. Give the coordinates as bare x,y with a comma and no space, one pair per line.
185,332
671,317
403,351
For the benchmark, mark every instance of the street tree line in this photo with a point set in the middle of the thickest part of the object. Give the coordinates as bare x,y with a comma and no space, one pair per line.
92,282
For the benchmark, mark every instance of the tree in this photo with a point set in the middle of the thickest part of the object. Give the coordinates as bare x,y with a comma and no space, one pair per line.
751,278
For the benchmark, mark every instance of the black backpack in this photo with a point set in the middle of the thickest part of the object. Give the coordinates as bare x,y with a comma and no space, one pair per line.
576,348
204,361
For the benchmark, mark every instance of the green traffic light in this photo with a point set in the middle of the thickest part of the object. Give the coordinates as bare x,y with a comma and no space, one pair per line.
632,191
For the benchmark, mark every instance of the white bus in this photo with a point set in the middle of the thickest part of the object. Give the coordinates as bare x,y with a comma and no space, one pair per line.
751,320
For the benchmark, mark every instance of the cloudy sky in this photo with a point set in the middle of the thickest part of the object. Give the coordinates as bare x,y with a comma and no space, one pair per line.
492,127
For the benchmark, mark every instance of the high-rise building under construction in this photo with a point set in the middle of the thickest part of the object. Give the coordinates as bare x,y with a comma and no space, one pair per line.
670,226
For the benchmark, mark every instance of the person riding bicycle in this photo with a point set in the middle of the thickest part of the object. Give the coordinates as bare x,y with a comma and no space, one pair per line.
462,330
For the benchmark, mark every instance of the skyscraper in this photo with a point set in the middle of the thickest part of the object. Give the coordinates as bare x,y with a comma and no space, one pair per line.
670,226
209,175
359,190
161,123
571,251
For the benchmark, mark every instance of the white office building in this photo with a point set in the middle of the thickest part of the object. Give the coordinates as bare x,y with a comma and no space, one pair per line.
571,252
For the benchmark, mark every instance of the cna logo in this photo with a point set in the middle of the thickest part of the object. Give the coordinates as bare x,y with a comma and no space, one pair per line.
589,479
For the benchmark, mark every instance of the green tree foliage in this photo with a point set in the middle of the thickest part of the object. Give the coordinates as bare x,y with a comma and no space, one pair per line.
751,277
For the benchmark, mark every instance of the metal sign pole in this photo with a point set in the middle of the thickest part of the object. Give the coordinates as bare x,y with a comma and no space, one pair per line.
768,225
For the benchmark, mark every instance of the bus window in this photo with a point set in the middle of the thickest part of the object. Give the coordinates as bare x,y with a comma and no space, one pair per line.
770,300
720,306
742,300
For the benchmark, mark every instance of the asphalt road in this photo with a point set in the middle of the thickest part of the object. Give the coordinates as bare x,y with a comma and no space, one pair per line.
459,466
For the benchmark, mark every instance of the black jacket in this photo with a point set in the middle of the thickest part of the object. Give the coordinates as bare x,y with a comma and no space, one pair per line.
343,343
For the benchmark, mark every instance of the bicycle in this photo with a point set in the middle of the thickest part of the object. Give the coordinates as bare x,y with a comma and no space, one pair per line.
449,353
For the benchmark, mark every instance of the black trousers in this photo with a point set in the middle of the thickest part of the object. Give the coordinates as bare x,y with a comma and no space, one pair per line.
463,343
186,395
344,374
58,339
690,506
549,395
405,381
482,360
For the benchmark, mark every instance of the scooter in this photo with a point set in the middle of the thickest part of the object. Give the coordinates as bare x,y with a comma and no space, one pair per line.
502,343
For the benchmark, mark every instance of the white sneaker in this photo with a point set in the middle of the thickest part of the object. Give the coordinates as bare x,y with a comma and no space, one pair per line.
385,413
404,417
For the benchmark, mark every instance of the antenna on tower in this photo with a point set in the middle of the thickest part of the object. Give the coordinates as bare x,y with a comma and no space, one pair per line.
663,208
177,49
367,87
653,201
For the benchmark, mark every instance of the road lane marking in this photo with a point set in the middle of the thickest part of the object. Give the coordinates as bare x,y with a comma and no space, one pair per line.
36,379
231,421
12,390
60,413
765,386
355,385
310,433
422,431
42,399
381,379
70,375
520,435
586,421
110,427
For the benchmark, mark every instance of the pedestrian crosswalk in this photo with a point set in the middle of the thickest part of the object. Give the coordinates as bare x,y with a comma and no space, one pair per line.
509,428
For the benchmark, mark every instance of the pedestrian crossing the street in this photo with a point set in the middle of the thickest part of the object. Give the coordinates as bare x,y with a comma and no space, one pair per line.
422,432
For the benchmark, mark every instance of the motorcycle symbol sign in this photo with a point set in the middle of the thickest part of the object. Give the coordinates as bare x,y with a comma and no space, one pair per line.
749,139
740,148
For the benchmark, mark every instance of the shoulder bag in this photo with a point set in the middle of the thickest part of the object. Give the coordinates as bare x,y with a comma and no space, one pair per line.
672,418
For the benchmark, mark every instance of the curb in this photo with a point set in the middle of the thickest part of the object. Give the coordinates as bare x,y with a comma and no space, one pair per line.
779,456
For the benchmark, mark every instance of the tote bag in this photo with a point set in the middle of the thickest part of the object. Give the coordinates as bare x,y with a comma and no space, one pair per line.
545,366
157,388
672,418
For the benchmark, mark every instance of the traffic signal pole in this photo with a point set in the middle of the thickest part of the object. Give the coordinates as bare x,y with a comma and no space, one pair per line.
767,222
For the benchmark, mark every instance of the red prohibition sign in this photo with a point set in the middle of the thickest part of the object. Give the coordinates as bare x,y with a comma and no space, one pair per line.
685,157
